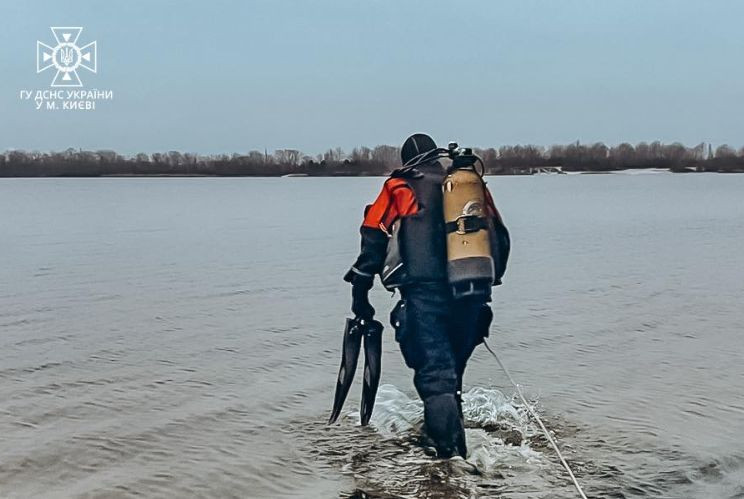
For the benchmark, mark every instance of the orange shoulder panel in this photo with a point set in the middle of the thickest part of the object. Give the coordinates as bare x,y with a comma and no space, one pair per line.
396,199
405,200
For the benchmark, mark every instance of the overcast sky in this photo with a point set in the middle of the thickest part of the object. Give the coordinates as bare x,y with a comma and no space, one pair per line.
231,76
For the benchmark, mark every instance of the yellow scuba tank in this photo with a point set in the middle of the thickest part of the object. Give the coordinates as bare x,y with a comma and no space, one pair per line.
470,267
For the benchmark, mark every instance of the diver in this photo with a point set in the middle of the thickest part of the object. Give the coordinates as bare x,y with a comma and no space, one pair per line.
435,235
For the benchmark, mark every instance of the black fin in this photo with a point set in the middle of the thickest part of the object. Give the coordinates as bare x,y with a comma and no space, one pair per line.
349,356
372,368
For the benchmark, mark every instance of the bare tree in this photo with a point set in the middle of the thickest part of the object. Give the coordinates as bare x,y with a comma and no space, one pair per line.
287,156
386,155
725,152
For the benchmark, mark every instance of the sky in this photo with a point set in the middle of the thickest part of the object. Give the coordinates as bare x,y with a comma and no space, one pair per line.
224,76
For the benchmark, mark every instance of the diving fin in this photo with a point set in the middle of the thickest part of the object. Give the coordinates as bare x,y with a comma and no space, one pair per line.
372,367
349,356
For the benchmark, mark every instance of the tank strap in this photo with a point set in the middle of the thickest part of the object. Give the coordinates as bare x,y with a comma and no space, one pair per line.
465,224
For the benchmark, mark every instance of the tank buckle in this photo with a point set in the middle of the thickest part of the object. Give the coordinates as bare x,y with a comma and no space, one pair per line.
467,223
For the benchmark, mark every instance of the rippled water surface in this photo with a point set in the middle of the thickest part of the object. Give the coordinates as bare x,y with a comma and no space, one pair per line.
180,337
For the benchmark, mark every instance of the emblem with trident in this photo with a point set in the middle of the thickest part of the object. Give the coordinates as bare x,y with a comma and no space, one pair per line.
66,57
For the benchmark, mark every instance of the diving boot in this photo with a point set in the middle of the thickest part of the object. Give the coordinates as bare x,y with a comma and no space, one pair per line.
444,426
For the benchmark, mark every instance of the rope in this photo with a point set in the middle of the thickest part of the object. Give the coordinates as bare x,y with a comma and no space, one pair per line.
539,421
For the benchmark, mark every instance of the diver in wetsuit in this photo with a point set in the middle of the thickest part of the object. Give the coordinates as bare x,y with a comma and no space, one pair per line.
437,329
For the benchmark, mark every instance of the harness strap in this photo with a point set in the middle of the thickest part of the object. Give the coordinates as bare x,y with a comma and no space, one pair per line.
465,224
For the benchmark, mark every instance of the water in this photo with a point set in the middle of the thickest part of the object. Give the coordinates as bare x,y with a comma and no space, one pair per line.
180,337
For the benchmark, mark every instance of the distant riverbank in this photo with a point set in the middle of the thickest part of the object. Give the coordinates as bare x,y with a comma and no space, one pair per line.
640,171
377,161
636,171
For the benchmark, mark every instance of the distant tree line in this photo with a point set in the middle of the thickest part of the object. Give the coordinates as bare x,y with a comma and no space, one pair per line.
380,160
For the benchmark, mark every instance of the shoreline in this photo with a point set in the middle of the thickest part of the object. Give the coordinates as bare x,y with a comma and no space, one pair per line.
631,172
627,171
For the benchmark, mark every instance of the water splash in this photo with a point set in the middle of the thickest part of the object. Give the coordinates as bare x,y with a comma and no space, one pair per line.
488,406
483,408
395,413
498,430
387,457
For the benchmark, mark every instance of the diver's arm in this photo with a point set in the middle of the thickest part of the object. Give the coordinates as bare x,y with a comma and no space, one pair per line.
377,217
371,257
499,238
491,206
361,275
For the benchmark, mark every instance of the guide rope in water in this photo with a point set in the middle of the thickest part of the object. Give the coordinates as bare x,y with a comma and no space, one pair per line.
539,421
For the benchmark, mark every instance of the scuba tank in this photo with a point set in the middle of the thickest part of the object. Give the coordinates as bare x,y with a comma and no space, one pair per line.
470,265
461,241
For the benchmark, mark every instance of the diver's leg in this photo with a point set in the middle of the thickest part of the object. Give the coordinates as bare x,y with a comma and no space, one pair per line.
427,349
469,323
468,326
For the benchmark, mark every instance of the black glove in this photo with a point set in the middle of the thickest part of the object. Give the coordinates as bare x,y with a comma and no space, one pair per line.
360,286
360,305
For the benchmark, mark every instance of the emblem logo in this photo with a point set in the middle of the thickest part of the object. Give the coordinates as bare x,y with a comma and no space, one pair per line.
66,57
